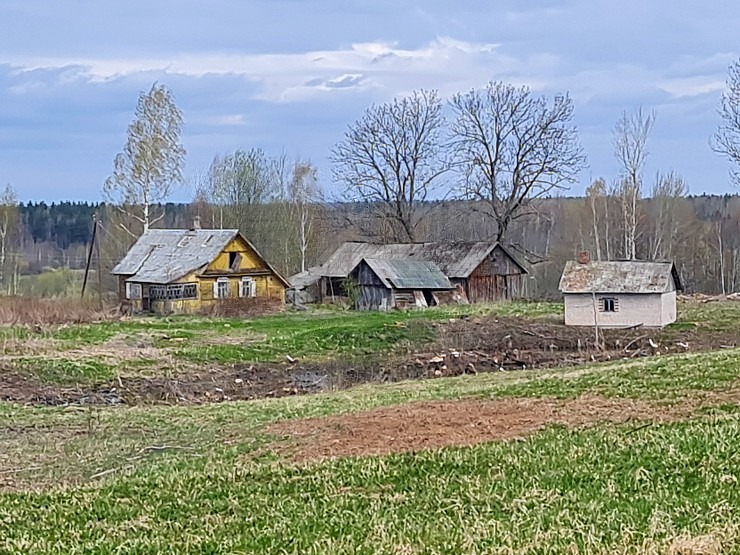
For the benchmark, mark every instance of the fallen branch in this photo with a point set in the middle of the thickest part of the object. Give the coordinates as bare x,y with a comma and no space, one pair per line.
633,430
18,470
534,334
159,448
105,473
635,340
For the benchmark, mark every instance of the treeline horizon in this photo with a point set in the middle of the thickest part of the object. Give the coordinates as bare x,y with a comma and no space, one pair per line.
701,233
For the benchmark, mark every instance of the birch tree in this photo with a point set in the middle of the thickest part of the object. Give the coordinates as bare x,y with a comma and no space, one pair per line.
305,198
512,147
9,223
596,195
630,149
150,166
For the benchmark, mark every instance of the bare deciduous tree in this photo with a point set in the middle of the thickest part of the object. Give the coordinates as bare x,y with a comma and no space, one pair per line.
630,148
305,197
726,140
595,195
512,148
151,163
392,158
667,194
236,184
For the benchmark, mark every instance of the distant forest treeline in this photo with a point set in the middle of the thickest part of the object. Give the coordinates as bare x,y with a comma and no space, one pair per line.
65,224
701,233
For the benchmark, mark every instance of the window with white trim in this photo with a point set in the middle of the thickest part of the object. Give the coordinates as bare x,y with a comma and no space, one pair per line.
247,287
133,291
221,289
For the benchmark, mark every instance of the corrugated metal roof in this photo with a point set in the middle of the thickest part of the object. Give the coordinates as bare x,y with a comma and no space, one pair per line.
402,273
305,278
455,260
164,255
619,277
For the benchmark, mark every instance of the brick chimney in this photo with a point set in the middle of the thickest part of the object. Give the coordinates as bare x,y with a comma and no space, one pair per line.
584,257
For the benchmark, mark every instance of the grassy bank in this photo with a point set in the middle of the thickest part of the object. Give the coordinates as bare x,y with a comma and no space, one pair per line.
213,479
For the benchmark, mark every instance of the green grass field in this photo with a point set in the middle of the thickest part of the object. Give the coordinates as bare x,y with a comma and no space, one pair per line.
98,352
216,479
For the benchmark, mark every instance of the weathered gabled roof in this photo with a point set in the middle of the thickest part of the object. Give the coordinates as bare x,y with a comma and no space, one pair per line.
455,259
632,276
165,255
402,273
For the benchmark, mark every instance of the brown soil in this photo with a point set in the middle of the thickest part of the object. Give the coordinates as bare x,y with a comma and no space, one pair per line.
465,345
495,343
191,388
430,425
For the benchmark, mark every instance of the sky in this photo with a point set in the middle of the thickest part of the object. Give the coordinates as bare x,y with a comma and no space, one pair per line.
289,76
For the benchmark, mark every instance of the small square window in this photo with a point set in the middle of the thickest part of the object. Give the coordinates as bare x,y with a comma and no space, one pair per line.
609,304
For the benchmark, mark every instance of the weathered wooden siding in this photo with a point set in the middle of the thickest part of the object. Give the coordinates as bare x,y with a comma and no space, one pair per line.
496,278
267,284
372,294
372,297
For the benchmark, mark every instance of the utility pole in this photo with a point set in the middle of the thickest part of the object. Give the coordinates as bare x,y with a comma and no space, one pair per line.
96,242
89,256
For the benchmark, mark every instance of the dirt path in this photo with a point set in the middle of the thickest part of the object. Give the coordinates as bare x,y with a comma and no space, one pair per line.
432,425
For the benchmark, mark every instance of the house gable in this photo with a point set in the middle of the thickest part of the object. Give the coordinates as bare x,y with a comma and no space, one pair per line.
237,256
498,262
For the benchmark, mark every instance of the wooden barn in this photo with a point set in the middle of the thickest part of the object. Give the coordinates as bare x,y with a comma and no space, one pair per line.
397,283
617,294
180,271
481,271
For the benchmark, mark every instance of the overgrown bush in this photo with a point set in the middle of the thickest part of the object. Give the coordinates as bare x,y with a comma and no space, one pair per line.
36,311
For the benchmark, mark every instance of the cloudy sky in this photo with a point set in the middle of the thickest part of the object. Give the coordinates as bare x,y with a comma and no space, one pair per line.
290,75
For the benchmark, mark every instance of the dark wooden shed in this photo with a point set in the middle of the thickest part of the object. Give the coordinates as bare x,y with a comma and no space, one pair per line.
482,271
397,283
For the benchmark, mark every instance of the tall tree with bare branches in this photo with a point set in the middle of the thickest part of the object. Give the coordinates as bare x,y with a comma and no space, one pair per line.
392,158
512,147
726,140
596,195
668,192
150,165
630,148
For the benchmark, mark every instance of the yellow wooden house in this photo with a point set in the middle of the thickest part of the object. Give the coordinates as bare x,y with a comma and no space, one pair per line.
189,270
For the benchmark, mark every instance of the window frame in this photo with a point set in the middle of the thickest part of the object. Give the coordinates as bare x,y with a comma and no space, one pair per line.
133,291
174,292
252,290
217,288
608,304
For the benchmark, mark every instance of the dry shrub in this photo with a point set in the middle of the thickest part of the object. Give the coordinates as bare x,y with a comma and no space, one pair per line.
250,306
37,311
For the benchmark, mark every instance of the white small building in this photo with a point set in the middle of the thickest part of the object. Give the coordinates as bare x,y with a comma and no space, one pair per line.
618,294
